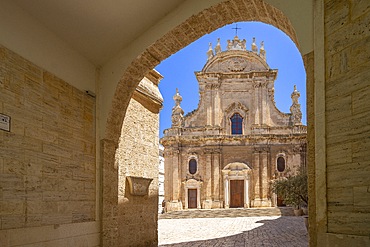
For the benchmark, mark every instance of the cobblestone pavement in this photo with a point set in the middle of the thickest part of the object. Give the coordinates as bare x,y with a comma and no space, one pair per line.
256,231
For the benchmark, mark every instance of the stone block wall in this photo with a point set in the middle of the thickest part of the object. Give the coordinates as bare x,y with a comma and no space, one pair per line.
47,159
138,156
347,55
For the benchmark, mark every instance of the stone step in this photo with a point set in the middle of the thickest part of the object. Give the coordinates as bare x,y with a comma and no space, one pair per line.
222,213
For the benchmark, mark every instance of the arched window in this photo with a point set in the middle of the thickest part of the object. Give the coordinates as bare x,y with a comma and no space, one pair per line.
192,166
280,163
236,124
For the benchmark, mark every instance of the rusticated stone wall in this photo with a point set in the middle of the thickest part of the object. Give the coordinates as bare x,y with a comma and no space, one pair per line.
47,160
347,55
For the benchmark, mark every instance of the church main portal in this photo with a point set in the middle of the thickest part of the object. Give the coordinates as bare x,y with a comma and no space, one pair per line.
236,194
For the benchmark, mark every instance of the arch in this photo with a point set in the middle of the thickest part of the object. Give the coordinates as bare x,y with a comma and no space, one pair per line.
196,26
190,30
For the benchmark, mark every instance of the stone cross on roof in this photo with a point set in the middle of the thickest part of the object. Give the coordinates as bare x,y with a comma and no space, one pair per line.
236,29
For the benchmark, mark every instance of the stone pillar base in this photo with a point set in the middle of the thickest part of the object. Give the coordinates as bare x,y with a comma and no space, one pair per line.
217,204
207,204
261,202
173,206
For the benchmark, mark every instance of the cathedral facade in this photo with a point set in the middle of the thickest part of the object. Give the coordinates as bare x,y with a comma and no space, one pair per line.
225,153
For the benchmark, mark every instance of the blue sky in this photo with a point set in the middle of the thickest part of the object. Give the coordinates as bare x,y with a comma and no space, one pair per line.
281,53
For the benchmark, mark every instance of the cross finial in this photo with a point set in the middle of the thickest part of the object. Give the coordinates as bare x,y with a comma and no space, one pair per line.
236,29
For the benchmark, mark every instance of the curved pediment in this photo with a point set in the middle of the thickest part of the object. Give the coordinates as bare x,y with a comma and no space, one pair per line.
237,166
193,182
236,106
235,61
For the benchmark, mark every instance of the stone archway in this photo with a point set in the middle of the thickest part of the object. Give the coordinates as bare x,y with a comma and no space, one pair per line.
193,28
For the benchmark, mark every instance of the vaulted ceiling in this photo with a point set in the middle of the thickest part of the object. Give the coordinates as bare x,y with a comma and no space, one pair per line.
98,29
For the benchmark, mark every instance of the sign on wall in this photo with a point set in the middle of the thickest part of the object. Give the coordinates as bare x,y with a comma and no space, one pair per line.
4,122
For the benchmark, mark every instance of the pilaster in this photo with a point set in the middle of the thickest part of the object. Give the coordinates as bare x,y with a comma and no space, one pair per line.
208,179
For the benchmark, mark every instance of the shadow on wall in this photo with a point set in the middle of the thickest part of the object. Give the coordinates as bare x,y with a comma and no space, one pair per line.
137,218
283,231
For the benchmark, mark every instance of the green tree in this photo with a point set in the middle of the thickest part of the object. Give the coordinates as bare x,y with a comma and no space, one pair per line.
293,189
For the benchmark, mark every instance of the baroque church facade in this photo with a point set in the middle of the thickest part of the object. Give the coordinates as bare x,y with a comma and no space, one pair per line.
225,153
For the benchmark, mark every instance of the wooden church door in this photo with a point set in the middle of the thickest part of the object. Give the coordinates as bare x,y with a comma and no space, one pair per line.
236,193
192,198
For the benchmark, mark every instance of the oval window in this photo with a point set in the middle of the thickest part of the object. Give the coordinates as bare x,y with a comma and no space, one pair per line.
280,164
192,166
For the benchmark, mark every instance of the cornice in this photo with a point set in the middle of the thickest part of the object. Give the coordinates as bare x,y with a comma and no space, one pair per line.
263,139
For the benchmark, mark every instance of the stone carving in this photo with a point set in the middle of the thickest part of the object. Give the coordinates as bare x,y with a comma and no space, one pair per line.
218,47
177,111
261,84
212,86
254,46
235,107
295,109
236,44
262,51
210,51
139,186
297,149
237,64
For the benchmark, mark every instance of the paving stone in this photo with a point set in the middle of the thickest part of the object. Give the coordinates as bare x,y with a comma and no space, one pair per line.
228,230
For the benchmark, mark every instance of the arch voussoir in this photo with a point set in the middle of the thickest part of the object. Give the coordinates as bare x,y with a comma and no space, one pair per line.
271,13
247,9
200,27
224,13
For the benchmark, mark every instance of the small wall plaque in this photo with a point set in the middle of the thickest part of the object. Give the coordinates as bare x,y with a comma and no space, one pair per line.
4,122
139,186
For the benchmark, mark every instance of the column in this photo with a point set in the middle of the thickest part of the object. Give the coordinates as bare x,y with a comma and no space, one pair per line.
217,106
226,189
168,181
264,176
265,111
246,191
186,197
175,176
207,175
198,198
256,177
216,175
208,102
256,105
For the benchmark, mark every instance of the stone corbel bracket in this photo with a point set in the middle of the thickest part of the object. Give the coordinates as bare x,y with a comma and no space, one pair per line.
139,186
